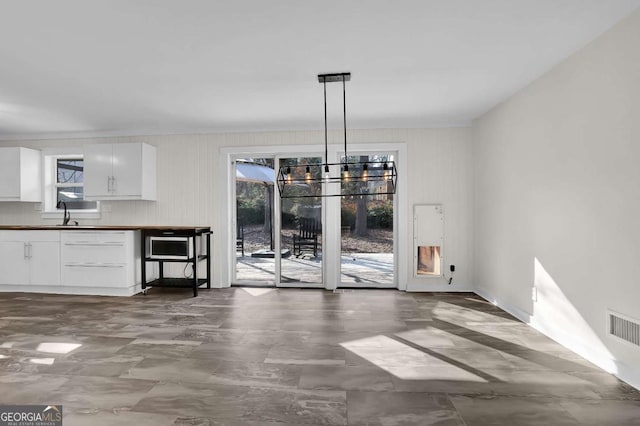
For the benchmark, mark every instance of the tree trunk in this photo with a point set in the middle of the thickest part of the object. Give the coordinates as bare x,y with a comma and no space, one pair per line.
361,208
266,226
361,216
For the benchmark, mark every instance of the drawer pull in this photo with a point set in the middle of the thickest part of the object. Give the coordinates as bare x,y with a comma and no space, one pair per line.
97,244
93,265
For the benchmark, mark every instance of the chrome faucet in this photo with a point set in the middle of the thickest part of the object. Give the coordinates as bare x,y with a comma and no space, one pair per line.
66,215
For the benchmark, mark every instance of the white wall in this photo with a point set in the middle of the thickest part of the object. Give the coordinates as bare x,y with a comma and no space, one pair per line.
557,197
191,186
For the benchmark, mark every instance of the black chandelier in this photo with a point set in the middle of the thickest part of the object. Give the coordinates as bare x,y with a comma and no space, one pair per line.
356,178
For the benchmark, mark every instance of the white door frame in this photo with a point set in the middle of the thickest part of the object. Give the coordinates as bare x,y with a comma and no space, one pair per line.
230,154
330,208
354,151
323,218
234,221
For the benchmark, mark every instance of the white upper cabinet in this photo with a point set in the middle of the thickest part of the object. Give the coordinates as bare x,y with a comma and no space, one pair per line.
20,174
124,171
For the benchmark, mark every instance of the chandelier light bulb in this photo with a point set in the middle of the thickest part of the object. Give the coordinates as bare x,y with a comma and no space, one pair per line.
289,177
382,170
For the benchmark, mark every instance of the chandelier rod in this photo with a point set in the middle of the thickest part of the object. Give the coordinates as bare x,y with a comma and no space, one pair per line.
344,110
326,149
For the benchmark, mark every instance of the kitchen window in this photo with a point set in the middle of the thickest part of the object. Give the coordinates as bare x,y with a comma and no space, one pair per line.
64,181
69,184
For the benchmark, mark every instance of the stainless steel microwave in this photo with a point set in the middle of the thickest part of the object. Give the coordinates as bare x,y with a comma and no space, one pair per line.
171,248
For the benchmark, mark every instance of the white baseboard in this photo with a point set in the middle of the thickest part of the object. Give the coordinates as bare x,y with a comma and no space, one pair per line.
438,286
604,361
523,316
73,290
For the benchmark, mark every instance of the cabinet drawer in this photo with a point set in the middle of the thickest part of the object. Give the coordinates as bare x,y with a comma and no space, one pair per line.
29,236
95,237
93,252
95,275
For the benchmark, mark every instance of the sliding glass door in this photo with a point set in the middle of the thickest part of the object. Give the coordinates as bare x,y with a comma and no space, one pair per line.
301,225
254,217
270,252
367,231
307,240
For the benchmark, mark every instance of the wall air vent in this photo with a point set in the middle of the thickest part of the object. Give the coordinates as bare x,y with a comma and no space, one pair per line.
624,328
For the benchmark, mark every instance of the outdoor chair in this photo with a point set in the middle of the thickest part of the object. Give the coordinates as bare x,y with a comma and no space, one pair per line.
307,236
240,237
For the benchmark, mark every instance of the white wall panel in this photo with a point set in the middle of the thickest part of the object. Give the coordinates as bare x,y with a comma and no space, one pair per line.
191,184
557,205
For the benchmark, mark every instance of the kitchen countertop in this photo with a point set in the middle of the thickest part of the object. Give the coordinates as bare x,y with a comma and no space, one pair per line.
97,227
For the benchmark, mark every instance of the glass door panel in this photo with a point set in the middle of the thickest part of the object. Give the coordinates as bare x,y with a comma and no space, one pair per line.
255,180
301,230
367,233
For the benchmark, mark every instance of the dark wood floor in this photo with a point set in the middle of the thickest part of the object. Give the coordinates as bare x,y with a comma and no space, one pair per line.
296,357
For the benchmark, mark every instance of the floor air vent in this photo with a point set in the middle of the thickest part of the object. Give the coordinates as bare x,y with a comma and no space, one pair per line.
624,328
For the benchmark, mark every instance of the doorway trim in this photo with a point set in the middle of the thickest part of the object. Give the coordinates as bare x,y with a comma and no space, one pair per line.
331,264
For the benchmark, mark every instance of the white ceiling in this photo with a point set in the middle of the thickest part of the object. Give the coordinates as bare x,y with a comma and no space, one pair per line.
126,67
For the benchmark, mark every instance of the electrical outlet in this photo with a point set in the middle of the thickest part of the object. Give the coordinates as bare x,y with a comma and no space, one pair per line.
452,268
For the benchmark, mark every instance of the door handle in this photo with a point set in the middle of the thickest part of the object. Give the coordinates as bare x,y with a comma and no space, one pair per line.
27,251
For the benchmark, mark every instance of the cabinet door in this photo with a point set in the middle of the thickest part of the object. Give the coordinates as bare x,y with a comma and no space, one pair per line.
9,173
98,171
15,269
127,169
44,267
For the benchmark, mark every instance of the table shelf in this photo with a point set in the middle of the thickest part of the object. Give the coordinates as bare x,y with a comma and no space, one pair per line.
176,282
189,260
202,233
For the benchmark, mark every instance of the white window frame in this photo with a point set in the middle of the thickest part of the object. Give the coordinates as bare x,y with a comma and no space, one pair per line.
50,185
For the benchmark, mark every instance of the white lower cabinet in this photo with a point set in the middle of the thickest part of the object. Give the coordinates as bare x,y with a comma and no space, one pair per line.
105,259
45,263
30,257
70,262
15,266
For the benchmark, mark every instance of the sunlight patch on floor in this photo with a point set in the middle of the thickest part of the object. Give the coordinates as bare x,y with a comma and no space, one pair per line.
405,362
428,337
460,314
57,348
257,291
42,361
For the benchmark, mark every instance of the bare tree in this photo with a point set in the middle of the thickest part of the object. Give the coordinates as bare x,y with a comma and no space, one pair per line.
361,229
